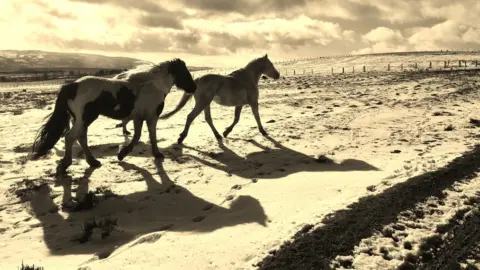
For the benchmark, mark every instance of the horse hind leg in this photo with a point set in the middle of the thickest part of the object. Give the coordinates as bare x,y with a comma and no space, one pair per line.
208,119
238,110
70,138
123,125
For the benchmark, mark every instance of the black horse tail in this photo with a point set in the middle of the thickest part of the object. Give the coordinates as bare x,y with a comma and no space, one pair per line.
57,123
183,101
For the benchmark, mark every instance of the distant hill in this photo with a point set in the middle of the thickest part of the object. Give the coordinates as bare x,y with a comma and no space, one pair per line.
33,60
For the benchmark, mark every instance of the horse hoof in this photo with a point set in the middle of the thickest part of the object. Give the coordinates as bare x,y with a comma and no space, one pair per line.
69,206
122,154
180,140
225,133
264,133
63,166
94,163
126,132
61,171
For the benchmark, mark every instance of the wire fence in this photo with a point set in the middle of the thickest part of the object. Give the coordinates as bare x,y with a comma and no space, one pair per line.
311,68
319,66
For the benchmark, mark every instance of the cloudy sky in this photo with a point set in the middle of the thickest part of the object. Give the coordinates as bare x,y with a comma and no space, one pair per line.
230,33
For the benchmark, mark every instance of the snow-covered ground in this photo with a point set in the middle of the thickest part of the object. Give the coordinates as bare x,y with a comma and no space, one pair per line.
366,150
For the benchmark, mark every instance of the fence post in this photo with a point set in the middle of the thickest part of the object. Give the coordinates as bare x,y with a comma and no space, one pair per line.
294,72
363,68
388,67
430,64
304,72
416,66
343,70
459,63
444,64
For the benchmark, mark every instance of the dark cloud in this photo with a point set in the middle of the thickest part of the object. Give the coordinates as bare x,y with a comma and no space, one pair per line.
154,15
143,5
292,42
187,39
232,43
140,42
61,15
367,16
164,20
245,7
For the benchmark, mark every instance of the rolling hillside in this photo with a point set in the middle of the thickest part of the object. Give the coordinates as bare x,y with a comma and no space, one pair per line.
24,61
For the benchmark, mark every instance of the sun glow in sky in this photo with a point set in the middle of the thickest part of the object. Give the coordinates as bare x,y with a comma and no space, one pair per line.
229,33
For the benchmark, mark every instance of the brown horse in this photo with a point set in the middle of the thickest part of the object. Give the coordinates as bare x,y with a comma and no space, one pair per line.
238,89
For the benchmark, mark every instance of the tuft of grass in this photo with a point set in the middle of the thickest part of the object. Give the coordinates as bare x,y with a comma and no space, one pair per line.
26,187
33,267
88,202
450,127
18,112
106,226
106,191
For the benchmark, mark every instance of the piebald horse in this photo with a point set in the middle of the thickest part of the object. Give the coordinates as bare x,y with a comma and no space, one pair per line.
140,97
237,89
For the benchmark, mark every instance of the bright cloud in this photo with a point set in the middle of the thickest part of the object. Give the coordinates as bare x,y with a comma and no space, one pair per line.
202,30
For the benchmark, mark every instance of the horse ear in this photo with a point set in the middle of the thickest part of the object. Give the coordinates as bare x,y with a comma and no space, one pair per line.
266,56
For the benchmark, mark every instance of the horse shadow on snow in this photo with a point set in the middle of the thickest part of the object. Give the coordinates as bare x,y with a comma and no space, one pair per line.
271,163
111,149
161,207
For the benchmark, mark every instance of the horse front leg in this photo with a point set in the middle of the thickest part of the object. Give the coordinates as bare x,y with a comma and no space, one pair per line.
83,141
137,132
152,132
238,110
199,107
208,119
254,106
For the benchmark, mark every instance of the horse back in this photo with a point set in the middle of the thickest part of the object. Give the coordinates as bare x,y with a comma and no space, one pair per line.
102,96
225,90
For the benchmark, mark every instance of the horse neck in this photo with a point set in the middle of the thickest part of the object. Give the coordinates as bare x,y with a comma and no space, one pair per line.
162,81
255,70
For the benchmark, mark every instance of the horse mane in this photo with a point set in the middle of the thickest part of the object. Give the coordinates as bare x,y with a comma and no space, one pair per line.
254,61
248,65
147,72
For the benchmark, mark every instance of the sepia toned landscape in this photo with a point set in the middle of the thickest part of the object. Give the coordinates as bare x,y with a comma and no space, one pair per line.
240,135
364,170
